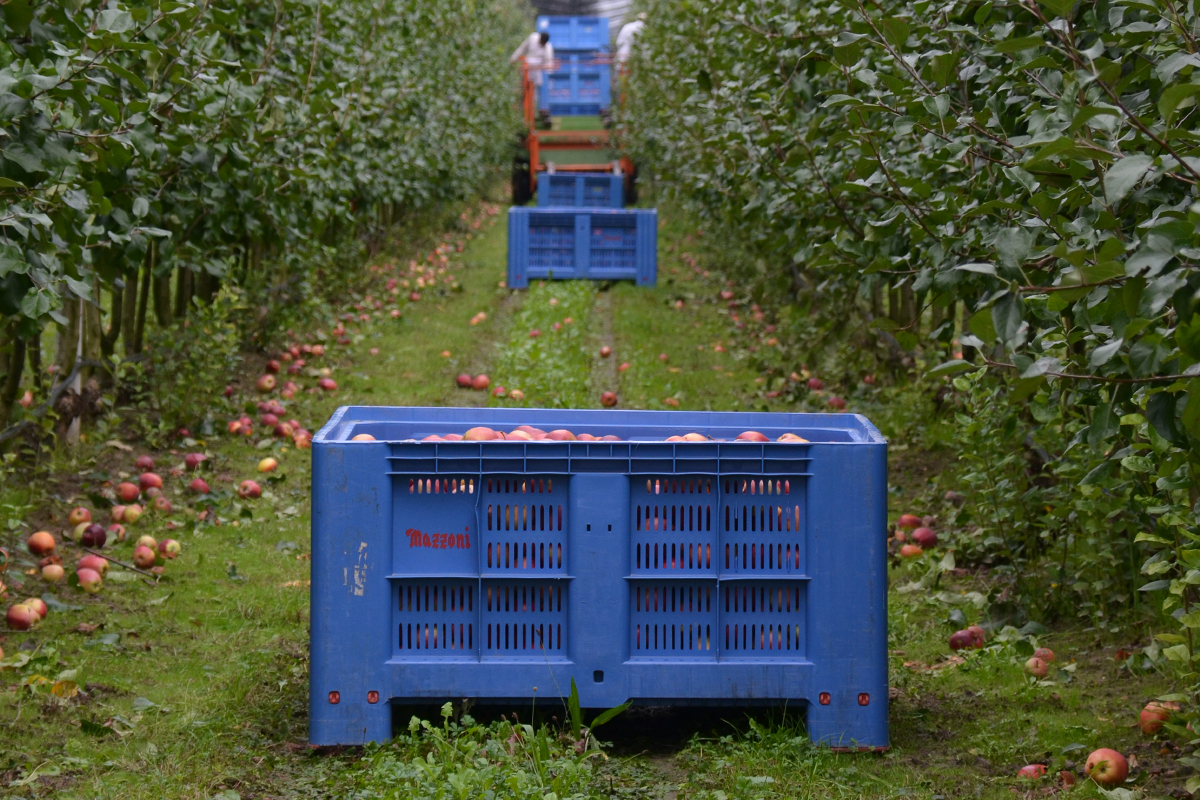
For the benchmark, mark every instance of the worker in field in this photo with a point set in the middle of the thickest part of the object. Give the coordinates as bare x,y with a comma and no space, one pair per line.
538,53
629,32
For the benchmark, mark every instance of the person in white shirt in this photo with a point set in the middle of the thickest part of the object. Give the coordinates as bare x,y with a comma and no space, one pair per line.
625,38
538,52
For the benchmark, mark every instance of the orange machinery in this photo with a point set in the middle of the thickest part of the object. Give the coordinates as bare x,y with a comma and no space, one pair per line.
546,141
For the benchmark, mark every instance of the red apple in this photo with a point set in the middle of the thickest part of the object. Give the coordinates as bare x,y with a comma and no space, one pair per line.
327,384
925,537
21,617
535,333
144,463
752,436
964,640
79,515
1037,668
909,521
605,351
40,543
228,391
624,366
118,513
1154,715
910,551
480,434
147,541
133,513
268,464
269,420
153,492
199,486
464,381
149,480
1045,654
249,490
93,536
561,435
480,382
271,367
93,562
816,384
362,437
608,399
265,383
517,394
163,505
89,580
53,573
37,606
318,350
663,357
170,548
128,492
143,557
1032,771
117,532
414,296
194,460
836,403
978,635
791,437
303,440
1106,767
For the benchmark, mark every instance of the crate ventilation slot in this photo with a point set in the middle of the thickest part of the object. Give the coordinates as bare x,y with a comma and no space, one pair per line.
762,635
757,486
440,486
434,634
674,636
762,518
524,555
515,604
762,556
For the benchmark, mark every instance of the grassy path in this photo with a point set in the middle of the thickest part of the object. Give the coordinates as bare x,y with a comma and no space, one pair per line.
196,686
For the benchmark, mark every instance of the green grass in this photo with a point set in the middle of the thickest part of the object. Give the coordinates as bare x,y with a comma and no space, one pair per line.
196,686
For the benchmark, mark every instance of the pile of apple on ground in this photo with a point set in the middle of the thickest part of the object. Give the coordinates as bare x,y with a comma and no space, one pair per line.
912,538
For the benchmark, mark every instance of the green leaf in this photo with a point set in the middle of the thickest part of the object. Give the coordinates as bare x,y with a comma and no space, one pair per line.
94,728
1017,45
952,367
1154,586
1124,175
1175,97
114,21
895,30
981,325
884,324
1160,412
605,716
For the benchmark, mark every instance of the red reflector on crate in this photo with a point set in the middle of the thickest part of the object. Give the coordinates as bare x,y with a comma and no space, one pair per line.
864,699
823,698
372,697
335,698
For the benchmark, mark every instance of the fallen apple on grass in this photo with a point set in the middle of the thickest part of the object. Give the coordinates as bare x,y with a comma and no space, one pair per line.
816,384
249,490
481,382
146,541
608,399
1045,654
144,463
143,557
464,381
199,486
169,548
911,551
265,383
908,521
1036,667
605,351
79,515
1032,771
93,536
40,543
624,366
1154,715
193,460
128,492
517,394
150,480
925,537
1106,767
53,573
327,385
965,639
162,505
116,532
268,464
95,562
21,617
133,513
89,580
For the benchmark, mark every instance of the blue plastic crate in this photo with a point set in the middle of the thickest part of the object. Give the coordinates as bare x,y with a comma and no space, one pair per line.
575,33
581,86
582,243
714,572
586,189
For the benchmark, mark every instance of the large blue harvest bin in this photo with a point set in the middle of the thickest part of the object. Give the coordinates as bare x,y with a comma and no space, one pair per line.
575,33
573,189
712,572
588,243
581,86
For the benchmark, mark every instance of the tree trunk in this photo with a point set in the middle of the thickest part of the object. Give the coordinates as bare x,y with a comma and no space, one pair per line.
877,298
14,349
144,298
129,314
183,292
908,308
968,352
206,286
34,348
108,342
162,300
68,336
894,305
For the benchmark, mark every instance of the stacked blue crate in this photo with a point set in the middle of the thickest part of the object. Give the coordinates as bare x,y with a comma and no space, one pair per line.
582,243
581,85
